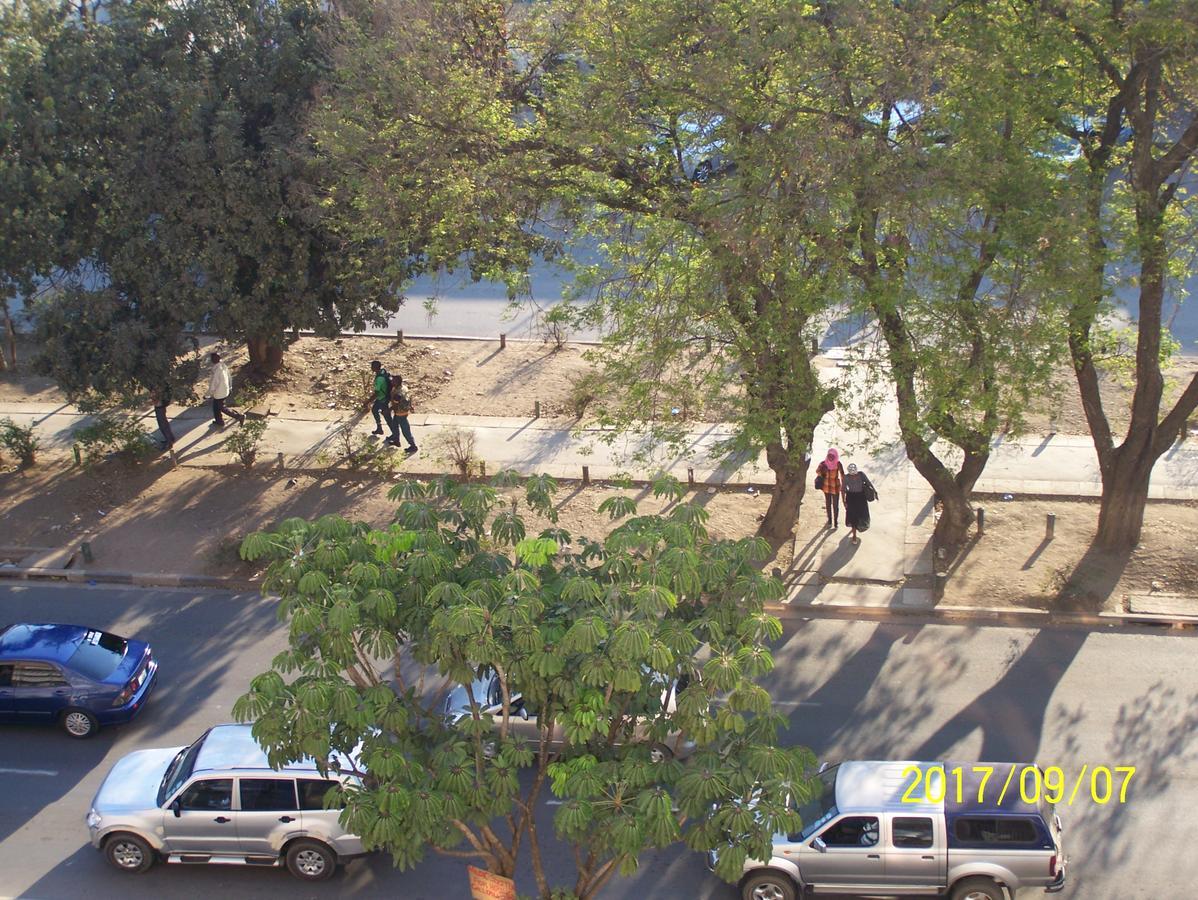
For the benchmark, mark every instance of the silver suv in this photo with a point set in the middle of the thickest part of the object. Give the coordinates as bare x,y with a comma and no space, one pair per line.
218,801
868,832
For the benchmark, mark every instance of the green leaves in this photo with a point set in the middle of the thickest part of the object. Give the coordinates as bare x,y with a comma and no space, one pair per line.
536,552
589,642
618,507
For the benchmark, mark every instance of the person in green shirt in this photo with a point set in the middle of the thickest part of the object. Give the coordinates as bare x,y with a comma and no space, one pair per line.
381,407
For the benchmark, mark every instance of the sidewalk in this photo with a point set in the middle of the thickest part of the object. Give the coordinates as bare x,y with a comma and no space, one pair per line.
900,536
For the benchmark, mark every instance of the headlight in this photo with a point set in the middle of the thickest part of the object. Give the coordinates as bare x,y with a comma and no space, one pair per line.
94,819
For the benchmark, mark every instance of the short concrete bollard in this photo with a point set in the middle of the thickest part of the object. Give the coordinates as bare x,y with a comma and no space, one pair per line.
536,409
482,469
586,475
502,341
981,521
690,477
815,346
281,466
1050,526
78,458
399,336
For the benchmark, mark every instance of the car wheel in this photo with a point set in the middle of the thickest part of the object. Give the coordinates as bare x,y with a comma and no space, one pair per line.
311,860
129,853
79,723
659,753
977,889
768,885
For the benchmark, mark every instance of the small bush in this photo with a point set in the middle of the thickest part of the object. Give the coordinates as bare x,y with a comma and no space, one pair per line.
114,434
555,326
20,441
248,395
584,390
245,440
457,447
361,451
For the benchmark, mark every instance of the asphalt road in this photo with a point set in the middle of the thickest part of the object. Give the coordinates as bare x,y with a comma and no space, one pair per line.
1060,696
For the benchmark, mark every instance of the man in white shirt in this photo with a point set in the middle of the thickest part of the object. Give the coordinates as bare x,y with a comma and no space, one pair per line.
220,385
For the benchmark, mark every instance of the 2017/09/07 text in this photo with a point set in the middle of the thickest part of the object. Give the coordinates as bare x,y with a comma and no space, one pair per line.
1032,784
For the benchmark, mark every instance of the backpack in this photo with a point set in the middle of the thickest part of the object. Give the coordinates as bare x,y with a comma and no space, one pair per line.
400,402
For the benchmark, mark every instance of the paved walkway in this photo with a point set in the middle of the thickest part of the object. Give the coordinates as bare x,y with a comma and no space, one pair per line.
899,541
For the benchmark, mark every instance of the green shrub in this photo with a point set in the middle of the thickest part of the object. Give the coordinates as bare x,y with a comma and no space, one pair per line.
114,434
585,390
248,395
21,442
245,440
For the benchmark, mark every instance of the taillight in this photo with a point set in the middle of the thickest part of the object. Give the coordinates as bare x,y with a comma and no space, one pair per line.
1052,865
130,689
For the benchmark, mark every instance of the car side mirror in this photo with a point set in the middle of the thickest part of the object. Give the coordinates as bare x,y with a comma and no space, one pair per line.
177,807
523,713
819,845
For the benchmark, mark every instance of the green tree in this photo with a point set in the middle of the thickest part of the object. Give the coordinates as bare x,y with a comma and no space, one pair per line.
586,634
957,209
1125,80
212,213
47,172
672,131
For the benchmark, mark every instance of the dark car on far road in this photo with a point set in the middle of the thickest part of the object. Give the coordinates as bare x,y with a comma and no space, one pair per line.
79,677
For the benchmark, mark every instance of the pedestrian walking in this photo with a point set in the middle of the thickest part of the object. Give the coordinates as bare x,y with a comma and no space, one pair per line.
401,408
162,397
858,492
220,385
829,478
381,407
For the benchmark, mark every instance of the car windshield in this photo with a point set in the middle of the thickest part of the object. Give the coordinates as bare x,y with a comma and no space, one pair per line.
819,809
179,770
98,655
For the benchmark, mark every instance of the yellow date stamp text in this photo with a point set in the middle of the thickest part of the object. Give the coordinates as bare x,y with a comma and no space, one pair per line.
986,784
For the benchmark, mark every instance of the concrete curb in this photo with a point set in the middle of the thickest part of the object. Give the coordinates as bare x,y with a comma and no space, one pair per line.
137,579
1013,616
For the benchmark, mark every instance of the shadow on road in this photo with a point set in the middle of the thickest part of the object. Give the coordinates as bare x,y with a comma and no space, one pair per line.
1010,714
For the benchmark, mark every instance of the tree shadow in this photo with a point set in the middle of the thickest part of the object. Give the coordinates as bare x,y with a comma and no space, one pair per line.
1155,733
1010,714
868,710
85,494
1092,580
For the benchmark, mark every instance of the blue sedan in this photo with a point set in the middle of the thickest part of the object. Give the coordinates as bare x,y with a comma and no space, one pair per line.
79,677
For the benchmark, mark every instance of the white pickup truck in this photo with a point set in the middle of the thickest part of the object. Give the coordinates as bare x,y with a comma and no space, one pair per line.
875,831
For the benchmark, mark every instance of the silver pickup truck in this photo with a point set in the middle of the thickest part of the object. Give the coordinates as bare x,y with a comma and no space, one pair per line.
915,828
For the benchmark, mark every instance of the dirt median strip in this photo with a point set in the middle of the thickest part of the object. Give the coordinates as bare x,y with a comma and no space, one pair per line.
1008,616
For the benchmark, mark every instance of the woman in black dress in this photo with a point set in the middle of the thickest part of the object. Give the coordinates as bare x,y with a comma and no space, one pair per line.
858,491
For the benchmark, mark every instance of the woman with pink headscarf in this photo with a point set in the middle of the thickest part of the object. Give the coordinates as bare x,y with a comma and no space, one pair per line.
829,478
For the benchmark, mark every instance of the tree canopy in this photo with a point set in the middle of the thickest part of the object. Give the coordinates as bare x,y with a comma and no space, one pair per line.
651,638
206,205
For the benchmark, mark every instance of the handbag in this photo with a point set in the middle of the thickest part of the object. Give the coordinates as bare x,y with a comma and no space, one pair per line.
871,493
819,481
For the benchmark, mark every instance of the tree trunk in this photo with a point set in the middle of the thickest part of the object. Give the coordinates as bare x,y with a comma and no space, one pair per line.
10,331
266,354
790,483
1121,514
